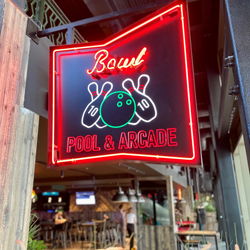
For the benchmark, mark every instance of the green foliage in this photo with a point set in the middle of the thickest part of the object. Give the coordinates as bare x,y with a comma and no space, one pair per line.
207,204
33,231
36,245
210,208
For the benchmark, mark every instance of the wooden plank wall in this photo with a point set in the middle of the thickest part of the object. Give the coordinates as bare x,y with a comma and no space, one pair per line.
170,196
18,131
159,237
154,238
188,207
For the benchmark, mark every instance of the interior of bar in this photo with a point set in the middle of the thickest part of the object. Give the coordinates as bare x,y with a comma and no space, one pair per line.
75,207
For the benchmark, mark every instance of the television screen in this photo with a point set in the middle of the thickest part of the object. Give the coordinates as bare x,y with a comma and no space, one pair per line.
85,198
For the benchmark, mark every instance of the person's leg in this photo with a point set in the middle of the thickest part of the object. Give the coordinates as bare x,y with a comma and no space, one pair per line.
121,229
123,235
132,239
129,232
203,229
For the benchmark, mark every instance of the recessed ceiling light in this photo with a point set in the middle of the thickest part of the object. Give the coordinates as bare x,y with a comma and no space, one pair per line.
87,168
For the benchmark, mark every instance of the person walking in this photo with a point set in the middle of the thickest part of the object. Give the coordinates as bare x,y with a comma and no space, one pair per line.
131,220
201,217
119,218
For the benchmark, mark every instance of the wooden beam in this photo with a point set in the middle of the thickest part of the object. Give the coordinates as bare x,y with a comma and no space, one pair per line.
18,131
170,197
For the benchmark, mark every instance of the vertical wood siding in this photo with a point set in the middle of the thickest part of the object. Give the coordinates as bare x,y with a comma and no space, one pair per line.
18,131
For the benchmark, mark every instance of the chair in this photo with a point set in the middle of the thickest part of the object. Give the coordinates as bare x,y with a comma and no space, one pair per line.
74,231
103,234
107,231
81,231
61,234
68,233
188,244
115,233
46,233
191,244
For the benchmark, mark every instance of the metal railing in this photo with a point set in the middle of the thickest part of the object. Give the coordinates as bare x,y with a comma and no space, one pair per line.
47,14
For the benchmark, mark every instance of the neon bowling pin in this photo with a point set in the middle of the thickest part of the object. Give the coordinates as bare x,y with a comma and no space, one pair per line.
141,86
100,124
145,107
93,90
135,120
91,113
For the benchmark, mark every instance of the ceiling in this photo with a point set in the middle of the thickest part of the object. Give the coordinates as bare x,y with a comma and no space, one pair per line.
203,18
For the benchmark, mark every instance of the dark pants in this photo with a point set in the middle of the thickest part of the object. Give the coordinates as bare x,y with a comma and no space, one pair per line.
131,229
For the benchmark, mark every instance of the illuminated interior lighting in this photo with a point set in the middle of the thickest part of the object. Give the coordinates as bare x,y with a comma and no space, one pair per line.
179,194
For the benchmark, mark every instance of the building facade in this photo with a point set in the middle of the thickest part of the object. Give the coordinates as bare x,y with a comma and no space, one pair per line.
219,36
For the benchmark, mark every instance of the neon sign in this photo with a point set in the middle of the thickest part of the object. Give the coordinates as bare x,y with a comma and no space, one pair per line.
130,140
135,101
112,64
147,112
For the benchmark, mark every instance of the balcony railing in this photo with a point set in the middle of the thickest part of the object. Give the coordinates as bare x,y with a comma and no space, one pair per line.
47,14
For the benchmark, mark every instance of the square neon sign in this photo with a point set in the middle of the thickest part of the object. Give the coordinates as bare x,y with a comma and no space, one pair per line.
130,97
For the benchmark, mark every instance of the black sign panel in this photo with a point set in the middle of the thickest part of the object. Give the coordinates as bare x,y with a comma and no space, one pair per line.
129,97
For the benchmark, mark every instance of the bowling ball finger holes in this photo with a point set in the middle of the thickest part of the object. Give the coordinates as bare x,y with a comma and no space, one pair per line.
128,102
117,109
120,96
119,104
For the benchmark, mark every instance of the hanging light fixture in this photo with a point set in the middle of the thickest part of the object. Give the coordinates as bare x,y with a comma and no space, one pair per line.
139,196
131,196
140,199
120,196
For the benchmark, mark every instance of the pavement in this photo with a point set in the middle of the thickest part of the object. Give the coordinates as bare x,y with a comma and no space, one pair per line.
221,244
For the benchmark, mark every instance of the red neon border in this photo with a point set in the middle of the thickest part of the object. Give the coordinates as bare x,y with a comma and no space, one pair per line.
126,155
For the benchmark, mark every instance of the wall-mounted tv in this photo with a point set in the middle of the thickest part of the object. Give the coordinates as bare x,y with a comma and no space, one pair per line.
85,198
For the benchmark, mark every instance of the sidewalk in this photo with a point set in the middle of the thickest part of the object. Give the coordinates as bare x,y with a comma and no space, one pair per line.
221,244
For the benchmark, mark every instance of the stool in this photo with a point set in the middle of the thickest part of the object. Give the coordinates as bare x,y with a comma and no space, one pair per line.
194,244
